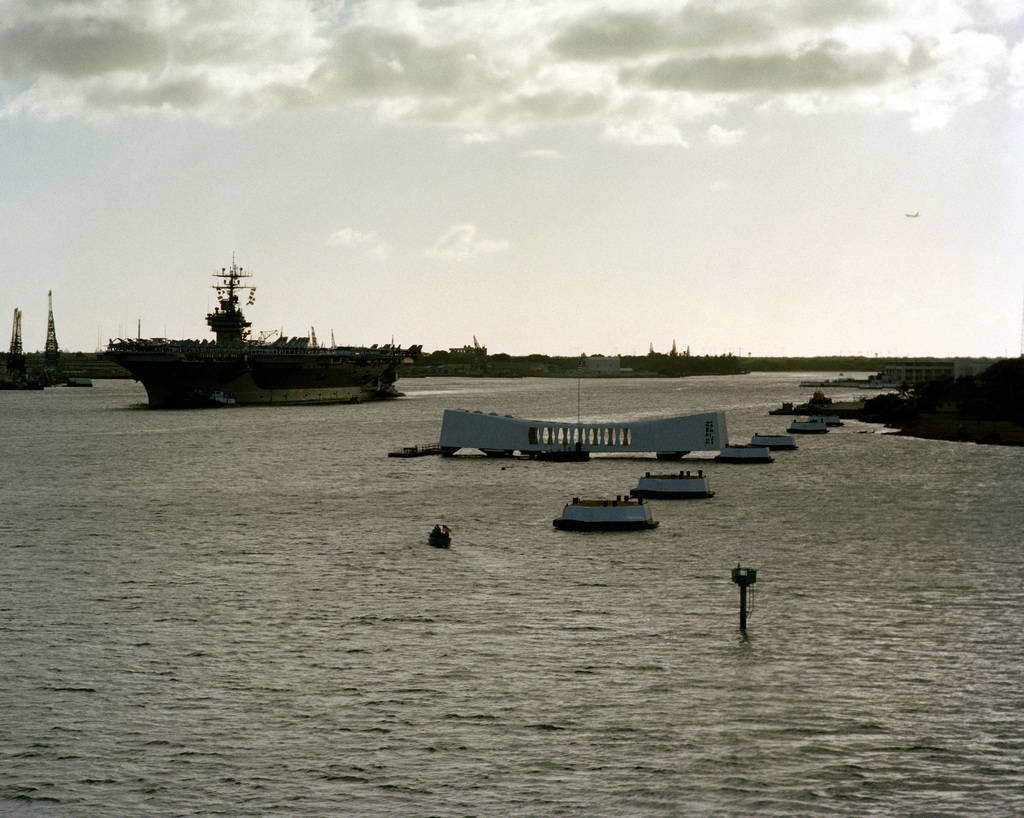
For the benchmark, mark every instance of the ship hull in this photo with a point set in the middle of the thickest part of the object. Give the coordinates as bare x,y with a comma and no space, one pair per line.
172,381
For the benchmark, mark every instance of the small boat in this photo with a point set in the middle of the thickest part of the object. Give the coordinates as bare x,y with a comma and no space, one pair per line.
773,442
840,382
220,398
440,536
828,420
416,451
79,382
682,486
744,453
620,514
807,427
874,383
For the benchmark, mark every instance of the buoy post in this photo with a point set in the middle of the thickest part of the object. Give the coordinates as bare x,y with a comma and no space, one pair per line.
744,577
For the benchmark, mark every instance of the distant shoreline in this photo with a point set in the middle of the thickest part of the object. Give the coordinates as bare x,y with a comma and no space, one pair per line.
441,363
958,430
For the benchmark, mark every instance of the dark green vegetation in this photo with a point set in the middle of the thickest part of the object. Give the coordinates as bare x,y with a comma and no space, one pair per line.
475,363
847,364
501,365
984,408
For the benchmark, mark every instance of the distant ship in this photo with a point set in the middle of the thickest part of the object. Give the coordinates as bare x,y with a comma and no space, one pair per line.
236,370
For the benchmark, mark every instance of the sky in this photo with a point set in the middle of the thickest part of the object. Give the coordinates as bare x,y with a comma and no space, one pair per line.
600,177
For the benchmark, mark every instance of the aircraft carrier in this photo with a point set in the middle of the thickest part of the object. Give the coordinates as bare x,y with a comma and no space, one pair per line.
234,369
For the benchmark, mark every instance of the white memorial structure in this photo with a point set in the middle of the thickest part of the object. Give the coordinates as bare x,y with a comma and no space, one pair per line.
504,435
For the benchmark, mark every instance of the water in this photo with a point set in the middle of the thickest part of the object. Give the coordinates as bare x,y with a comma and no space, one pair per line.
235,612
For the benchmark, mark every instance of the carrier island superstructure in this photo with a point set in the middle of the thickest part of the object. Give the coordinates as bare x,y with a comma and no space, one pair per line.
235,369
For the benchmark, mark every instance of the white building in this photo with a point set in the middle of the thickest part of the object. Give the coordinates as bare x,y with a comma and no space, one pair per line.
601,365
921,370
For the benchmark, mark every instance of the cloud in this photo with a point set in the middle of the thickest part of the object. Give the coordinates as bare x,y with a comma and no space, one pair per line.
1017,71
603,35
371,63
643,71
68,49
542,153
97,58
348,237
644,132
480,137
717,135
379,252
460,243
826,66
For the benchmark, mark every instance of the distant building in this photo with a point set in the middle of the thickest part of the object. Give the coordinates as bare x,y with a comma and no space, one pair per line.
921,370
476,349
601,365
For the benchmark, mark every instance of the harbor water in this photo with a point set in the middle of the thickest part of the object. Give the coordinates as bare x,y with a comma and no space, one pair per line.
236,612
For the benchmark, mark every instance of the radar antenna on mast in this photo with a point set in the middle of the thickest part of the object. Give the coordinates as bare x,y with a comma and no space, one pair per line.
227,321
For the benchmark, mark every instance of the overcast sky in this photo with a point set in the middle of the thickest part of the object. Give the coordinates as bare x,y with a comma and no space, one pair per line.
555,176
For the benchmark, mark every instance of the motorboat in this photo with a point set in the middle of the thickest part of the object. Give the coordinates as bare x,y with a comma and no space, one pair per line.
620,514
682,486
221,398
440,536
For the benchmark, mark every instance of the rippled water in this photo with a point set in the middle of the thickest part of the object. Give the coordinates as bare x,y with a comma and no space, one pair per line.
235,612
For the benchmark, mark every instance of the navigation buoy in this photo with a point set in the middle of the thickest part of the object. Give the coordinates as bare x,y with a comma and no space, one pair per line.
744,577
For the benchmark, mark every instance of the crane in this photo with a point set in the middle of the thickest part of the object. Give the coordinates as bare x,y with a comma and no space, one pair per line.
51,354
16,357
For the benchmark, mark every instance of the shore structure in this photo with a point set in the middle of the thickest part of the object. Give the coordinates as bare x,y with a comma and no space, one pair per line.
811,426
234,369
773,442
744,453
504,435
682,486
620,514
